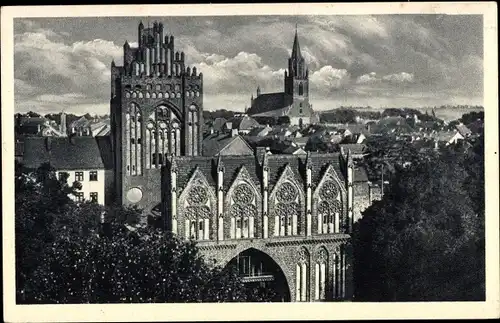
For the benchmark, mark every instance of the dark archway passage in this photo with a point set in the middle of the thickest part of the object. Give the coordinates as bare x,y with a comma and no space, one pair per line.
261,274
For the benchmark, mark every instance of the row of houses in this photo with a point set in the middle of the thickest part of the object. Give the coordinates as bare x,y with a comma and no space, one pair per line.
45,127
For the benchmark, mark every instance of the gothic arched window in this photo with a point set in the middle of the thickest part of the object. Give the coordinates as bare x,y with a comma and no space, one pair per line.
140,95
286,210
338,273
133,131
302,276
134,95
243,212
321,274
127,94
158,87
166,95
148,87
153,95
197,214
301,89
329,208
160,95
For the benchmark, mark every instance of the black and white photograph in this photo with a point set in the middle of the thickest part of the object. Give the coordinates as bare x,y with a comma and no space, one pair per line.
301,154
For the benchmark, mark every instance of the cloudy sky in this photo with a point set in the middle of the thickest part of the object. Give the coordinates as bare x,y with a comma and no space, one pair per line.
381,61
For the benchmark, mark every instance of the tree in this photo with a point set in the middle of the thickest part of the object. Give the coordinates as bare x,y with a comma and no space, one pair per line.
64,254
425,239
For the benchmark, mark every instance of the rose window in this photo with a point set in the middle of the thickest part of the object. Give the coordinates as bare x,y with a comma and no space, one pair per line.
329,190
198,195
287,193
243,194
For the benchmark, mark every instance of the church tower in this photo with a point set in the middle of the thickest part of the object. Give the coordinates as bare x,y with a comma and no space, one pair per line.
156,111
297,80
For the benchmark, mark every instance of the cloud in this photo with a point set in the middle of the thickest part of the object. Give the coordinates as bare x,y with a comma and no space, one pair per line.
367,78
366,57
329,78
402,77
239,74
48,71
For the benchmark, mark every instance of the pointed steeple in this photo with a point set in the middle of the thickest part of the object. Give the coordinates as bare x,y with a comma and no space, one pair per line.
296,47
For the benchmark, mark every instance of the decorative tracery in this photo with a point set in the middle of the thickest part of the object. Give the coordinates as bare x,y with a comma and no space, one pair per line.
286,210
162,136
243,213
329,208
197,213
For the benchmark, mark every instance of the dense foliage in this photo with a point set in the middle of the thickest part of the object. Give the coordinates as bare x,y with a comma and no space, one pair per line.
64,254
425,239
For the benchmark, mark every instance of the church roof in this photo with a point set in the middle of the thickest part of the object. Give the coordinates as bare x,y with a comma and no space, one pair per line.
269,102
68,153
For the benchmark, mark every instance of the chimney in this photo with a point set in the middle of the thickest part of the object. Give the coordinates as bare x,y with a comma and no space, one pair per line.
234,132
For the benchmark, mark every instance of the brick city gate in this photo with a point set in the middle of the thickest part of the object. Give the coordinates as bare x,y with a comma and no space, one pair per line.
313,268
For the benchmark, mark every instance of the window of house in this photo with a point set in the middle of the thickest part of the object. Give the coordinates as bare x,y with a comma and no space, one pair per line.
93,197
79,176
60,175
93,175
79,196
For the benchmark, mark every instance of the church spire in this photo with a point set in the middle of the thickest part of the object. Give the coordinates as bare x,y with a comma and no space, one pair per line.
296,47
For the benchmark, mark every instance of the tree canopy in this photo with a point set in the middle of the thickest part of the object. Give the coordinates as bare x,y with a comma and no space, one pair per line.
65,254
425,239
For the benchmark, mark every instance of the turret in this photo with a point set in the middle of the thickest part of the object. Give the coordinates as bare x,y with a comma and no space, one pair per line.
173,195
265,178
258,90
308,194
141,33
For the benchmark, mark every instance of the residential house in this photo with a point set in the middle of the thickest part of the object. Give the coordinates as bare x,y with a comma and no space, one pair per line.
226,145
87,160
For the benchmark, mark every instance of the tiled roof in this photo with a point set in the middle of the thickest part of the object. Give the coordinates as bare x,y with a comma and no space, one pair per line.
244,123
260,131
360,175
68,153
218,124
464,131
277,163
215,143
270,101
356,149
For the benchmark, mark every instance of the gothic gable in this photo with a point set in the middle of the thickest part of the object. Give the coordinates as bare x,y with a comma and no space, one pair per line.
333,181
197,192
243,190
287,188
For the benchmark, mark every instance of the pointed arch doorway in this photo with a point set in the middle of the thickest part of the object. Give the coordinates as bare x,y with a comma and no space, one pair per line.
261,274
